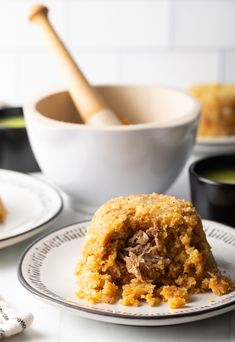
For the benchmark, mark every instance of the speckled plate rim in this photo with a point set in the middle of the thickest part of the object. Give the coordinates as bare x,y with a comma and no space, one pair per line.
119,318
19,237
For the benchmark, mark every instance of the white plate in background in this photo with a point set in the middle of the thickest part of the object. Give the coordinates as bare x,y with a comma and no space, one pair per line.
46,270
31,203
215,145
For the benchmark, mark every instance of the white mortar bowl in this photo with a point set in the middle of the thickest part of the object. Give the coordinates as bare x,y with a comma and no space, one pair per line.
93,164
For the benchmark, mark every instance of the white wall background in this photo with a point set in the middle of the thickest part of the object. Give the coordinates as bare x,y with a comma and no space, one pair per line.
174,42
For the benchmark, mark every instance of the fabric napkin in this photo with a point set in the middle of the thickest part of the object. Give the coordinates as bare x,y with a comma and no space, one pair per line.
12,323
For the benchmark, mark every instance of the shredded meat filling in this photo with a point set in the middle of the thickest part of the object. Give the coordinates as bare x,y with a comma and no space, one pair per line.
144,255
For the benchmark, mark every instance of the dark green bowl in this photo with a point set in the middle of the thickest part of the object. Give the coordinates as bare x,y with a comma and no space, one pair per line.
15,150
213,200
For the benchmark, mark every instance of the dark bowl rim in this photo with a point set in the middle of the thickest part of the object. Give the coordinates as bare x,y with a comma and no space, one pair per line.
4,128
205,180
12,113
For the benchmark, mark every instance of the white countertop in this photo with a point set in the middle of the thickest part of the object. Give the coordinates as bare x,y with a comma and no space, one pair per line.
56,325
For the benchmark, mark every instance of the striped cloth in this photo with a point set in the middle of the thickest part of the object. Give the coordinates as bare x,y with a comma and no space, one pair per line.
12,323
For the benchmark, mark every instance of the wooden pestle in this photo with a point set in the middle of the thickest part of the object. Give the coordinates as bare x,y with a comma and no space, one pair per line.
91,106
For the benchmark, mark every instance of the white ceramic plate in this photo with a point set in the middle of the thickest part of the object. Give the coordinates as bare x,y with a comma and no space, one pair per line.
46,269
215,144
31,203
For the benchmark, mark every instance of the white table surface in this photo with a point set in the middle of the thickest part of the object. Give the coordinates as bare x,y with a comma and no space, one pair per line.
56,325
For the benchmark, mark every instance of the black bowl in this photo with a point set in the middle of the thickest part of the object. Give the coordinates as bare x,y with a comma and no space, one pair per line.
213,200
15,150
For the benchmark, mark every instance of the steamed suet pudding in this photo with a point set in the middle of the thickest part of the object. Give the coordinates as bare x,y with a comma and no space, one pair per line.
147,248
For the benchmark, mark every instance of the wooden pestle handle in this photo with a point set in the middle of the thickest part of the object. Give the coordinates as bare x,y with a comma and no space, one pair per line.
89,103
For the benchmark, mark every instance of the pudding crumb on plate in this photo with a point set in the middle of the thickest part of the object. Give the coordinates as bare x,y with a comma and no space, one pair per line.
3,212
